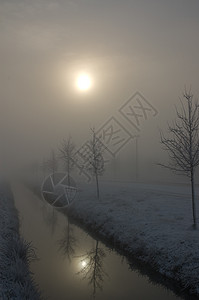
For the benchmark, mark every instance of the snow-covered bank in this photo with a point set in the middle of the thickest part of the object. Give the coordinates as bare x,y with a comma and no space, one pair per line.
150,223
15,279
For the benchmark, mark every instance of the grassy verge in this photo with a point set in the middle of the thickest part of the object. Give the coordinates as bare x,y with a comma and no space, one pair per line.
15,254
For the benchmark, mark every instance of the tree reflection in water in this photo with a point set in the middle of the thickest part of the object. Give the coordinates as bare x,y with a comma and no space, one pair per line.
92,267
68,243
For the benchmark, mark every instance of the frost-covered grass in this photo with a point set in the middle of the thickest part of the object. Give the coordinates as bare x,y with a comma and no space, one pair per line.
15,279
150,222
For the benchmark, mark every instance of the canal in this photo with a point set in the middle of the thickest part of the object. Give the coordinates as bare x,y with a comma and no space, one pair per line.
71,264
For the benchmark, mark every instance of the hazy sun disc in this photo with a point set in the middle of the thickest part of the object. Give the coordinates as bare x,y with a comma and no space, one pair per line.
83,82
84,263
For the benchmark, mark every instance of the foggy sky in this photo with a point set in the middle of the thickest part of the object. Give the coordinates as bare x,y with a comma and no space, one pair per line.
126,46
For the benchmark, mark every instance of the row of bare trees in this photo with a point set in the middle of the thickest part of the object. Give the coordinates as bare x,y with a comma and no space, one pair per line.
181,144
93,160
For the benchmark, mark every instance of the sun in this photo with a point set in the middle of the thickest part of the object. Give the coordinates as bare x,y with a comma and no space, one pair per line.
83,263
83,82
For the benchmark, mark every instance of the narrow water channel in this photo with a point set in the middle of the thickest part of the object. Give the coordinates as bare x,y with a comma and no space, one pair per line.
74,266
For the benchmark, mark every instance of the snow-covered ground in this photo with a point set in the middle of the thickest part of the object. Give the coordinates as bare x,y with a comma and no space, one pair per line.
15,280
151,222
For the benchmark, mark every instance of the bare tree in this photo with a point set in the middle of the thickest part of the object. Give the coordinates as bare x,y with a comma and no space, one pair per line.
95,160
183,143
52,163
67,151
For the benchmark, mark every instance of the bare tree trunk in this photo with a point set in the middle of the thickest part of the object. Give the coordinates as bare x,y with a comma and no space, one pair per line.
191,162
97,184
53,174
68,174
193,199
136,160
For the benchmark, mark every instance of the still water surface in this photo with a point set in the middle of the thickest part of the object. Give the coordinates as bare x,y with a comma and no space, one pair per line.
74,266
